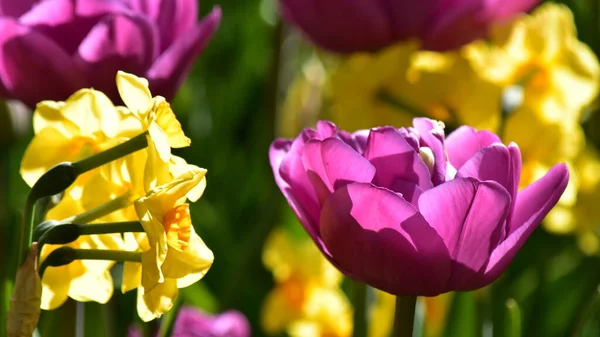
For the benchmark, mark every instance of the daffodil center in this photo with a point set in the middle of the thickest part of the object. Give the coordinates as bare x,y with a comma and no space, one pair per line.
293,292
178,226
83,147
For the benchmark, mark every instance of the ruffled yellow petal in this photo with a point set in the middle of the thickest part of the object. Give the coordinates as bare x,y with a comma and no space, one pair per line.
190,265
165,118
132,276
38,159
54,288
159,300
93,112
92,286
135,93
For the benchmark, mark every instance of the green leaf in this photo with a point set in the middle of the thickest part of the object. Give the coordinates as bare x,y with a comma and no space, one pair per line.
512,323
463,319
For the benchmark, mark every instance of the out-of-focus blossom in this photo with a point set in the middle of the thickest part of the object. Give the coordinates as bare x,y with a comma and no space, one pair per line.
559,74
51,48
307,299
442,214
365,25
395,85
192,322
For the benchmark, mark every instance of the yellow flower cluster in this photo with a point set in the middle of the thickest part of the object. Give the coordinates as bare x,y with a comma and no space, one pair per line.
151,186
307,299
531,82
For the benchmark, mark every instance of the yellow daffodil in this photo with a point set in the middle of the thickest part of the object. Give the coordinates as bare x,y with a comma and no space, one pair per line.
154,112
173,255
81,280
581,215
85,124
307,299
401,82
541,52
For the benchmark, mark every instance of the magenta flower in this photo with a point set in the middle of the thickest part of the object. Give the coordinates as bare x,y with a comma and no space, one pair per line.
411,213
51,48
366,25
191,322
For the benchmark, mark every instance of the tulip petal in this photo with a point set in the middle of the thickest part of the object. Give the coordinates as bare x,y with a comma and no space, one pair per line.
409,190
14,8
28,59
455,24
169,70
286,161
379,238
174,18
432,136
532,205
490,163
357,25
464,142
331,163
68,22
118,42
469,216
393,159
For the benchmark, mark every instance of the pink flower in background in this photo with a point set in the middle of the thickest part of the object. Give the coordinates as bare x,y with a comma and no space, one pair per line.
410,212
192,322
51,48
367,25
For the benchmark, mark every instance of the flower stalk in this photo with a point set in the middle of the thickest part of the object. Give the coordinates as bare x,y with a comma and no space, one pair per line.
65,255
132,145
404,316
115,204
359,302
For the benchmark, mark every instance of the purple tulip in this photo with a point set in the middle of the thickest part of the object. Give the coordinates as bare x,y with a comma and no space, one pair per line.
51,48
367,25
411,213
191,322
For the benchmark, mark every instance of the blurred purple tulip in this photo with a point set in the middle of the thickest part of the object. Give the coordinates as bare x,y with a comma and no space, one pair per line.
409,212
368,25
51,48
191,322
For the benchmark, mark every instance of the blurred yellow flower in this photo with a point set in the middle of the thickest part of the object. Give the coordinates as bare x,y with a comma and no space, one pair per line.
540,52
307,299
173,255
402,82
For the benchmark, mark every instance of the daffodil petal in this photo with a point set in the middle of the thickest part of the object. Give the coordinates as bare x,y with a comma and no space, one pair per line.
135,93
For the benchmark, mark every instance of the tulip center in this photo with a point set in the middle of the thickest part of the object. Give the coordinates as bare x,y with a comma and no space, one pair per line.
427,156
178,226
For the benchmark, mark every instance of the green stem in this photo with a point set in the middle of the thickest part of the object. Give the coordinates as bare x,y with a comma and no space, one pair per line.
63,233
103,254
359,302
116,204
65,255
26,229
132,145
111,227
404,316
